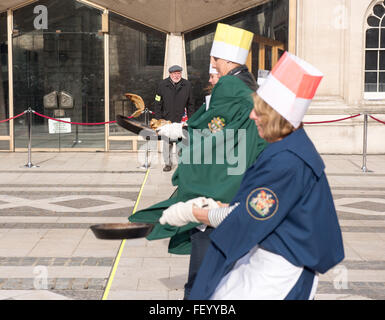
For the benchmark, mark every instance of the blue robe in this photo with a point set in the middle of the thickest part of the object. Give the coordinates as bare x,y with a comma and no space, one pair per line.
286,208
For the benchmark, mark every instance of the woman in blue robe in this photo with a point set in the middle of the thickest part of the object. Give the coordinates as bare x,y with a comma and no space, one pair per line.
280,230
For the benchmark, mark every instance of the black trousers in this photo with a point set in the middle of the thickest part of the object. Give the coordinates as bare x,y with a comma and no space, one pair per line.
200,241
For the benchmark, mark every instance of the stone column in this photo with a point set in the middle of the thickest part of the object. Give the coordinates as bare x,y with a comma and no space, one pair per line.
175,54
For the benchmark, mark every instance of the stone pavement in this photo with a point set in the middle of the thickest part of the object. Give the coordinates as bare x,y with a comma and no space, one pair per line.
48,252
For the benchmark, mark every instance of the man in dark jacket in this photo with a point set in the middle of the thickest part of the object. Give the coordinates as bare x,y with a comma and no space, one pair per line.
173,96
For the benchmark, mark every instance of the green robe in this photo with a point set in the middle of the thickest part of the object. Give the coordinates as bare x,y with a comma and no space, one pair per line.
233,152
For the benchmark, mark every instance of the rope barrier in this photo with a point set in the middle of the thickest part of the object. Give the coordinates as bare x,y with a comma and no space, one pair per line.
78,123
19,115
147,111
378,120
330,121
108,122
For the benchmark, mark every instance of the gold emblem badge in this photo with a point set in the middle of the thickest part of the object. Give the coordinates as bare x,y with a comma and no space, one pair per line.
262,204
217,124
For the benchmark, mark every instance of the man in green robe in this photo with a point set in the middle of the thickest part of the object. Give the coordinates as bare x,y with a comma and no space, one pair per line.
234,148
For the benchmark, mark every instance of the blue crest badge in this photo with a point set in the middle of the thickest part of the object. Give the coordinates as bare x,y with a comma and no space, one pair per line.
262,204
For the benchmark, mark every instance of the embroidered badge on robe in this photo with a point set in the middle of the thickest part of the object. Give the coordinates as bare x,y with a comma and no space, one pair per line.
262,204
217,124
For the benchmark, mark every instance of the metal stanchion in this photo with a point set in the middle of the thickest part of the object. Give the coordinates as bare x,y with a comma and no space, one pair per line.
30,164
146,121
365,143
76,141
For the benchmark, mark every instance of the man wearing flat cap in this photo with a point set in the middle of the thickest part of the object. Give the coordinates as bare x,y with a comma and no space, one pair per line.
173,96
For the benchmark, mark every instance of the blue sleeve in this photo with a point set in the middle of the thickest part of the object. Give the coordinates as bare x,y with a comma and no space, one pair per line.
267,195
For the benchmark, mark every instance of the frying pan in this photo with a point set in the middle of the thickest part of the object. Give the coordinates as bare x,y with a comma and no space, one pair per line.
119,231
136,127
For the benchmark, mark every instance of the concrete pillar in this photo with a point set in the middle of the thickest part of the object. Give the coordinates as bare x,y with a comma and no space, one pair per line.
175,54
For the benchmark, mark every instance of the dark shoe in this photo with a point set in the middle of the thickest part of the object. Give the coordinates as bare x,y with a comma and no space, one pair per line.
167,168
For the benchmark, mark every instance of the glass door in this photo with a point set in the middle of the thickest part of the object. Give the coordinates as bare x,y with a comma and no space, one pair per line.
59,72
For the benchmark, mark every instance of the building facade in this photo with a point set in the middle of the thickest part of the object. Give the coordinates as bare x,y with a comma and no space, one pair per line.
76,60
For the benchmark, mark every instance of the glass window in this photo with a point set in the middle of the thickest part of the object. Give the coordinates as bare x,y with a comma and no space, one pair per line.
255,56
136,66
58,67
382,82
268,21
375,52
373,21
372,36
4,106
379,10
371,60
66,16
370,81
268,57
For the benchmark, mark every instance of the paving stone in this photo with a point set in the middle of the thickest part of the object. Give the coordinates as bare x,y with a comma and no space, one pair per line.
81,294
12,284
28,261
44,261
14,261
105,262
60,262
2,282
28,284
79,284
90,262
97,284
63,283
75,261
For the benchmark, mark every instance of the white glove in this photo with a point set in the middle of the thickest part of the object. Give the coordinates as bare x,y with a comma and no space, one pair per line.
173,131
181,213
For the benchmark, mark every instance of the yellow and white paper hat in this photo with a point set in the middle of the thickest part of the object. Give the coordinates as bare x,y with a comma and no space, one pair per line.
290,87
231,43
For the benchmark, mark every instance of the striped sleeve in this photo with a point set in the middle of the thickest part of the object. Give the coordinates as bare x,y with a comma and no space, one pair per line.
216,216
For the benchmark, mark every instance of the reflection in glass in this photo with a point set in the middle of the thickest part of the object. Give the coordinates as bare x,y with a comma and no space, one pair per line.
370,81
382,42
381,86
269,20
373,21
372,38
382,60
371,60
379,10
66,16
255,59
268,58
280,53
67,57
4,145
136,66
4,106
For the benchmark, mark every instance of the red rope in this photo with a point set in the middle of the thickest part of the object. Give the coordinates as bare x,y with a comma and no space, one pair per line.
355,116
78,123
19,115
378,120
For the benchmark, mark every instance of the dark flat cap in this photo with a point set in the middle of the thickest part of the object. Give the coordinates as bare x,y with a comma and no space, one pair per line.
175,68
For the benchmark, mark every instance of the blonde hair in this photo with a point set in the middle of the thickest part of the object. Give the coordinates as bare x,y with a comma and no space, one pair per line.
274,126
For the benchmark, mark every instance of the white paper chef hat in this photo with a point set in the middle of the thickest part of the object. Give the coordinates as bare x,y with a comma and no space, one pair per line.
290,87
231,43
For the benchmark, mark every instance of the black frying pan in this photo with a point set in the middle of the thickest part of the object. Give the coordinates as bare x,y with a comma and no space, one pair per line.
120,231
136,127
